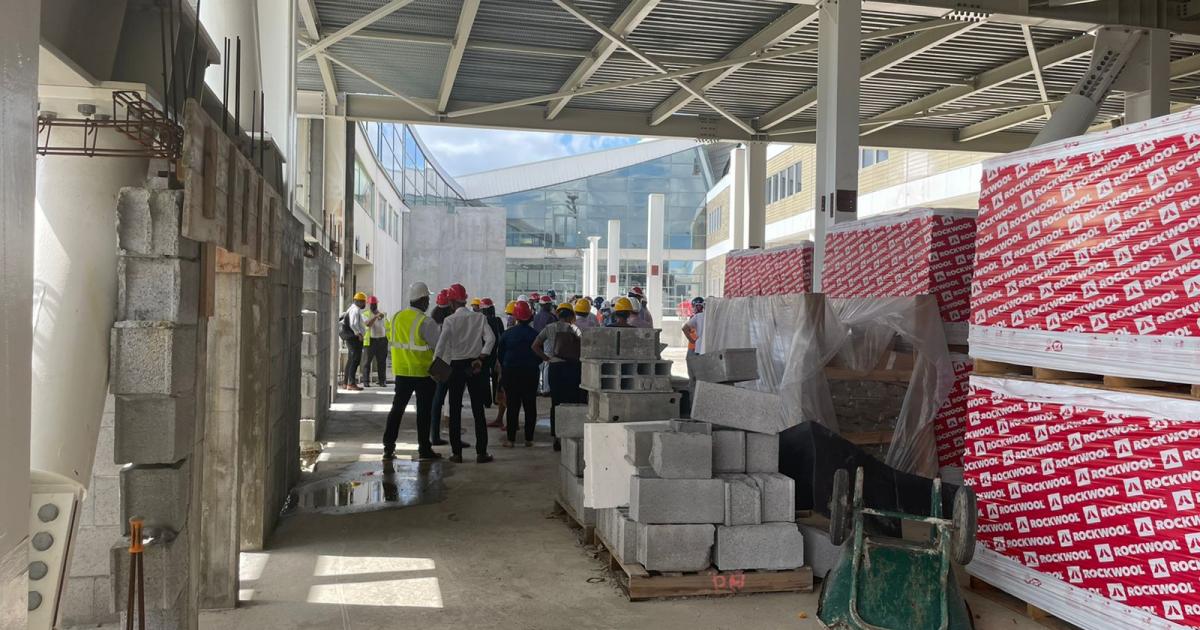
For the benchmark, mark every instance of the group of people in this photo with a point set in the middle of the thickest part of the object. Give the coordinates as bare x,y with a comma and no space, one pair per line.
462,346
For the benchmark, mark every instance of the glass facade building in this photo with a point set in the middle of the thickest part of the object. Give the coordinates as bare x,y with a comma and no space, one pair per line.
402,157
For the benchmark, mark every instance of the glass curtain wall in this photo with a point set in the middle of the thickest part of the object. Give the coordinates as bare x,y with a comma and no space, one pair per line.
414,177
682,279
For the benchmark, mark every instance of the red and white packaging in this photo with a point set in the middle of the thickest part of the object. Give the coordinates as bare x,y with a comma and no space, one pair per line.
1087,500
950,423
776,271
1088,253
923,251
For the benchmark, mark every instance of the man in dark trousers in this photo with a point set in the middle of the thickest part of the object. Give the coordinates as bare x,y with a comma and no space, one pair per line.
464,344
413,338
352,332
519,372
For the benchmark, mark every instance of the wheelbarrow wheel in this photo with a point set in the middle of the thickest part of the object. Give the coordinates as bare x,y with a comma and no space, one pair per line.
962,543
840,513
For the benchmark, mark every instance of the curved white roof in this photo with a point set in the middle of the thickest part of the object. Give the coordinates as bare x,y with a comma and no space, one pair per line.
534,175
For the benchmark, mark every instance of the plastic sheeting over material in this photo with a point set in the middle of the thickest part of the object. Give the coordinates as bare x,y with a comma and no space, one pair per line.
796,336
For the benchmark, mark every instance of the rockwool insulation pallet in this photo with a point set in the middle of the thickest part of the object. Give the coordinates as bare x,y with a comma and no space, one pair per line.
1087,500
923,251
951,421
1087,256
776,271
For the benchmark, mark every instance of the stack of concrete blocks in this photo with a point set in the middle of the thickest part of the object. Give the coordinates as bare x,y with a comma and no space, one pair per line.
157,377
317,342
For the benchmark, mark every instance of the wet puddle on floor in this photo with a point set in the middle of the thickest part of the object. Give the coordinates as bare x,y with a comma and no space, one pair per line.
372,486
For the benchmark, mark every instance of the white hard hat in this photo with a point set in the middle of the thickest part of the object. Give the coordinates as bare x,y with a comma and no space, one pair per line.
417,291
637,306
522,298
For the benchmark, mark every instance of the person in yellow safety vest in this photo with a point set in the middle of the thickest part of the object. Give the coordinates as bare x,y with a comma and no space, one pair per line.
375,342
412,339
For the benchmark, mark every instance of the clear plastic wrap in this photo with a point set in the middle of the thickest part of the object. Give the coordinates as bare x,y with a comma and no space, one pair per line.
796,336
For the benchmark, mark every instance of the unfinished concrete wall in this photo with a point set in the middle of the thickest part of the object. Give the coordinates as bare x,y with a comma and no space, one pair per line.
464,245
283,415
317,344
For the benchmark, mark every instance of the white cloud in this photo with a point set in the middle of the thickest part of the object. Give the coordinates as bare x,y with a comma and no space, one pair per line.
464,150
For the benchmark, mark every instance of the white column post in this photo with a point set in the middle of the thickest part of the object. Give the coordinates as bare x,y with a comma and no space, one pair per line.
737,197
1152,68
584,255
614,258
756,196
19,35
837,121
593,265
656,206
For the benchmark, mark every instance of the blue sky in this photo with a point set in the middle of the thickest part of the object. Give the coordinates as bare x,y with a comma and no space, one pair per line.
463,150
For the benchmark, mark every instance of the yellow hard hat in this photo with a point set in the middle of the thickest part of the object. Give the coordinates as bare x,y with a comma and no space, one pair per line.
360,296
476,302
509,308
622,304
583,305
565,306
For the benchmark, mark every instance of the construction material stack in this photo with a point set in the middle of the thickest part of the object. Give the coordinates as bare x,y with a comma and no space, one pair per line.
777,271
1083,431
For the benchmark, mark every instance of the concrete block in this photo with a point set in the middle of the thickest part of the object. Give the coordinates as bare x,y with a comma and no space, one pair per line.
569,419
572,455
656,501
105,496
739,408
639,441
775,546
157,289
632,406
626,547
310,321
620,343
819,552
572,494
148,224
688,426
154,429
675,547
89,550
762,452
681,455
778,497
600,375
308,430
152,358
166,567
158,494
606,470
743,501
314,301
729,451
731,365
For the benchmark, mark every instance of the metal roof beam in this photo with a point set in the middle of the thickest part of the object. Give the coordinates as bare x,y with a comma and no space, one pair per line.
775,32
1001,75
354,27
620,41
941,31
1002,122
629,19
312,27
1033,63
462,33
425,109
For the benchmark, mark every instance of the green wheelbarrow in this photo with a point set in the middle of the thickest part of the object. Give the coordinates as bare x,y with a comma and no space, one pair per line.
885,583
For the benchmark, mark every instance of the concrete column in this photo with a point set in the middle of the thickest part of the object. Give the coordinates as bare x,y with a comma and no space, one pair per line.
19,34
738,197
256,378
593,268
1151,69
755,231
584,257
837,121
614,259
656,210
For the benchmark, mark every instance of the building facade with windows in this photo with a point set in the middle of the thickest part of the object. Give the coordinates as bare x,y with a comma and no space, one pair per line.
888,181
553,206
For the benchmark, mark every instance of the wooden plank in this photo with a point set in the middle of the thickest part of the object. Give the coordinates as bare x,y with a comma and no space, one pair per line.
724,583
1050,374
987,367
208,280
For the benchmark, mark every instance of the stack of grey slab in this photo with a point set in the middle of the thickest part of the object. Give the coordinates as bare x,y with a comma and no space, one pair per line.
706,494
569,420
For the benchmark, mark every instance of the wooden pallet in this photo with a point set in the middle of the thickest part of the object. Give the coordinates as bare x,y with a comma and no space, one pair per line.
564,511
1018,605
986,367
640,584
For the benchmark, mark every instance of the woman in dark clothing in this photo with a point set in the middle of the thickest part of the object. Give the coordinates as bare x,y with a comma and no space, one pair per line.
519,371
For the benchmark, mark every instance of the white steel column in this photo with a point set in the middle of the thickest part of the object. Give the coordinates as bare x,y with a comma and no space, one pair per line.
19,34
756,196
585,257
737,197
656,213
614,258
593,268
837,121
1153,69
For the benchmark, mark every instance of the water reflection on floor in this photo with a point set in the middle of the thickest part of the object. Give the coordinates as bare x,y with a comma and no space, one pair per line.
371,486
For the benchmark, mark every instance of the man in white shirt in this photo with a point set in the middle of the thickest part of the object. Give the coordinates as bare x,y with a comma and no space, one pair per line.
464,344
375,343
694,331
353,329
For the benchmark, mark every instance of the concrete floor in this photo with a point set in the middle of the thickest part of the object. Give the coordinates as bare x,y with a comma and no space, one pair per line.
463,546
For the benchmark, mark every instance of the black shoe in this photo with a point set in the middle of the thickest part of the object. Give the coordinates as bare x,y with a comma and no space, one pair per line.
430,456
438,442
457,459
483,459
466,445
388,456
557,445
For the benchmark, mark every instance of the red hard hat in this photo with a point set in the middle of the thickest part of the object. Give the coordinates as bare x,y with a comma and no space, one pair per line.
443,298
547,300
457,293
522,312
636,291
487,302
373,300
534,295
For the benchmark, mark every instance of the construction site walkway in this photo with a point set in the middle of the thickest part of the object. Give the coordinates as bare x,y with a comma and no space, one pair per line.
440,545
